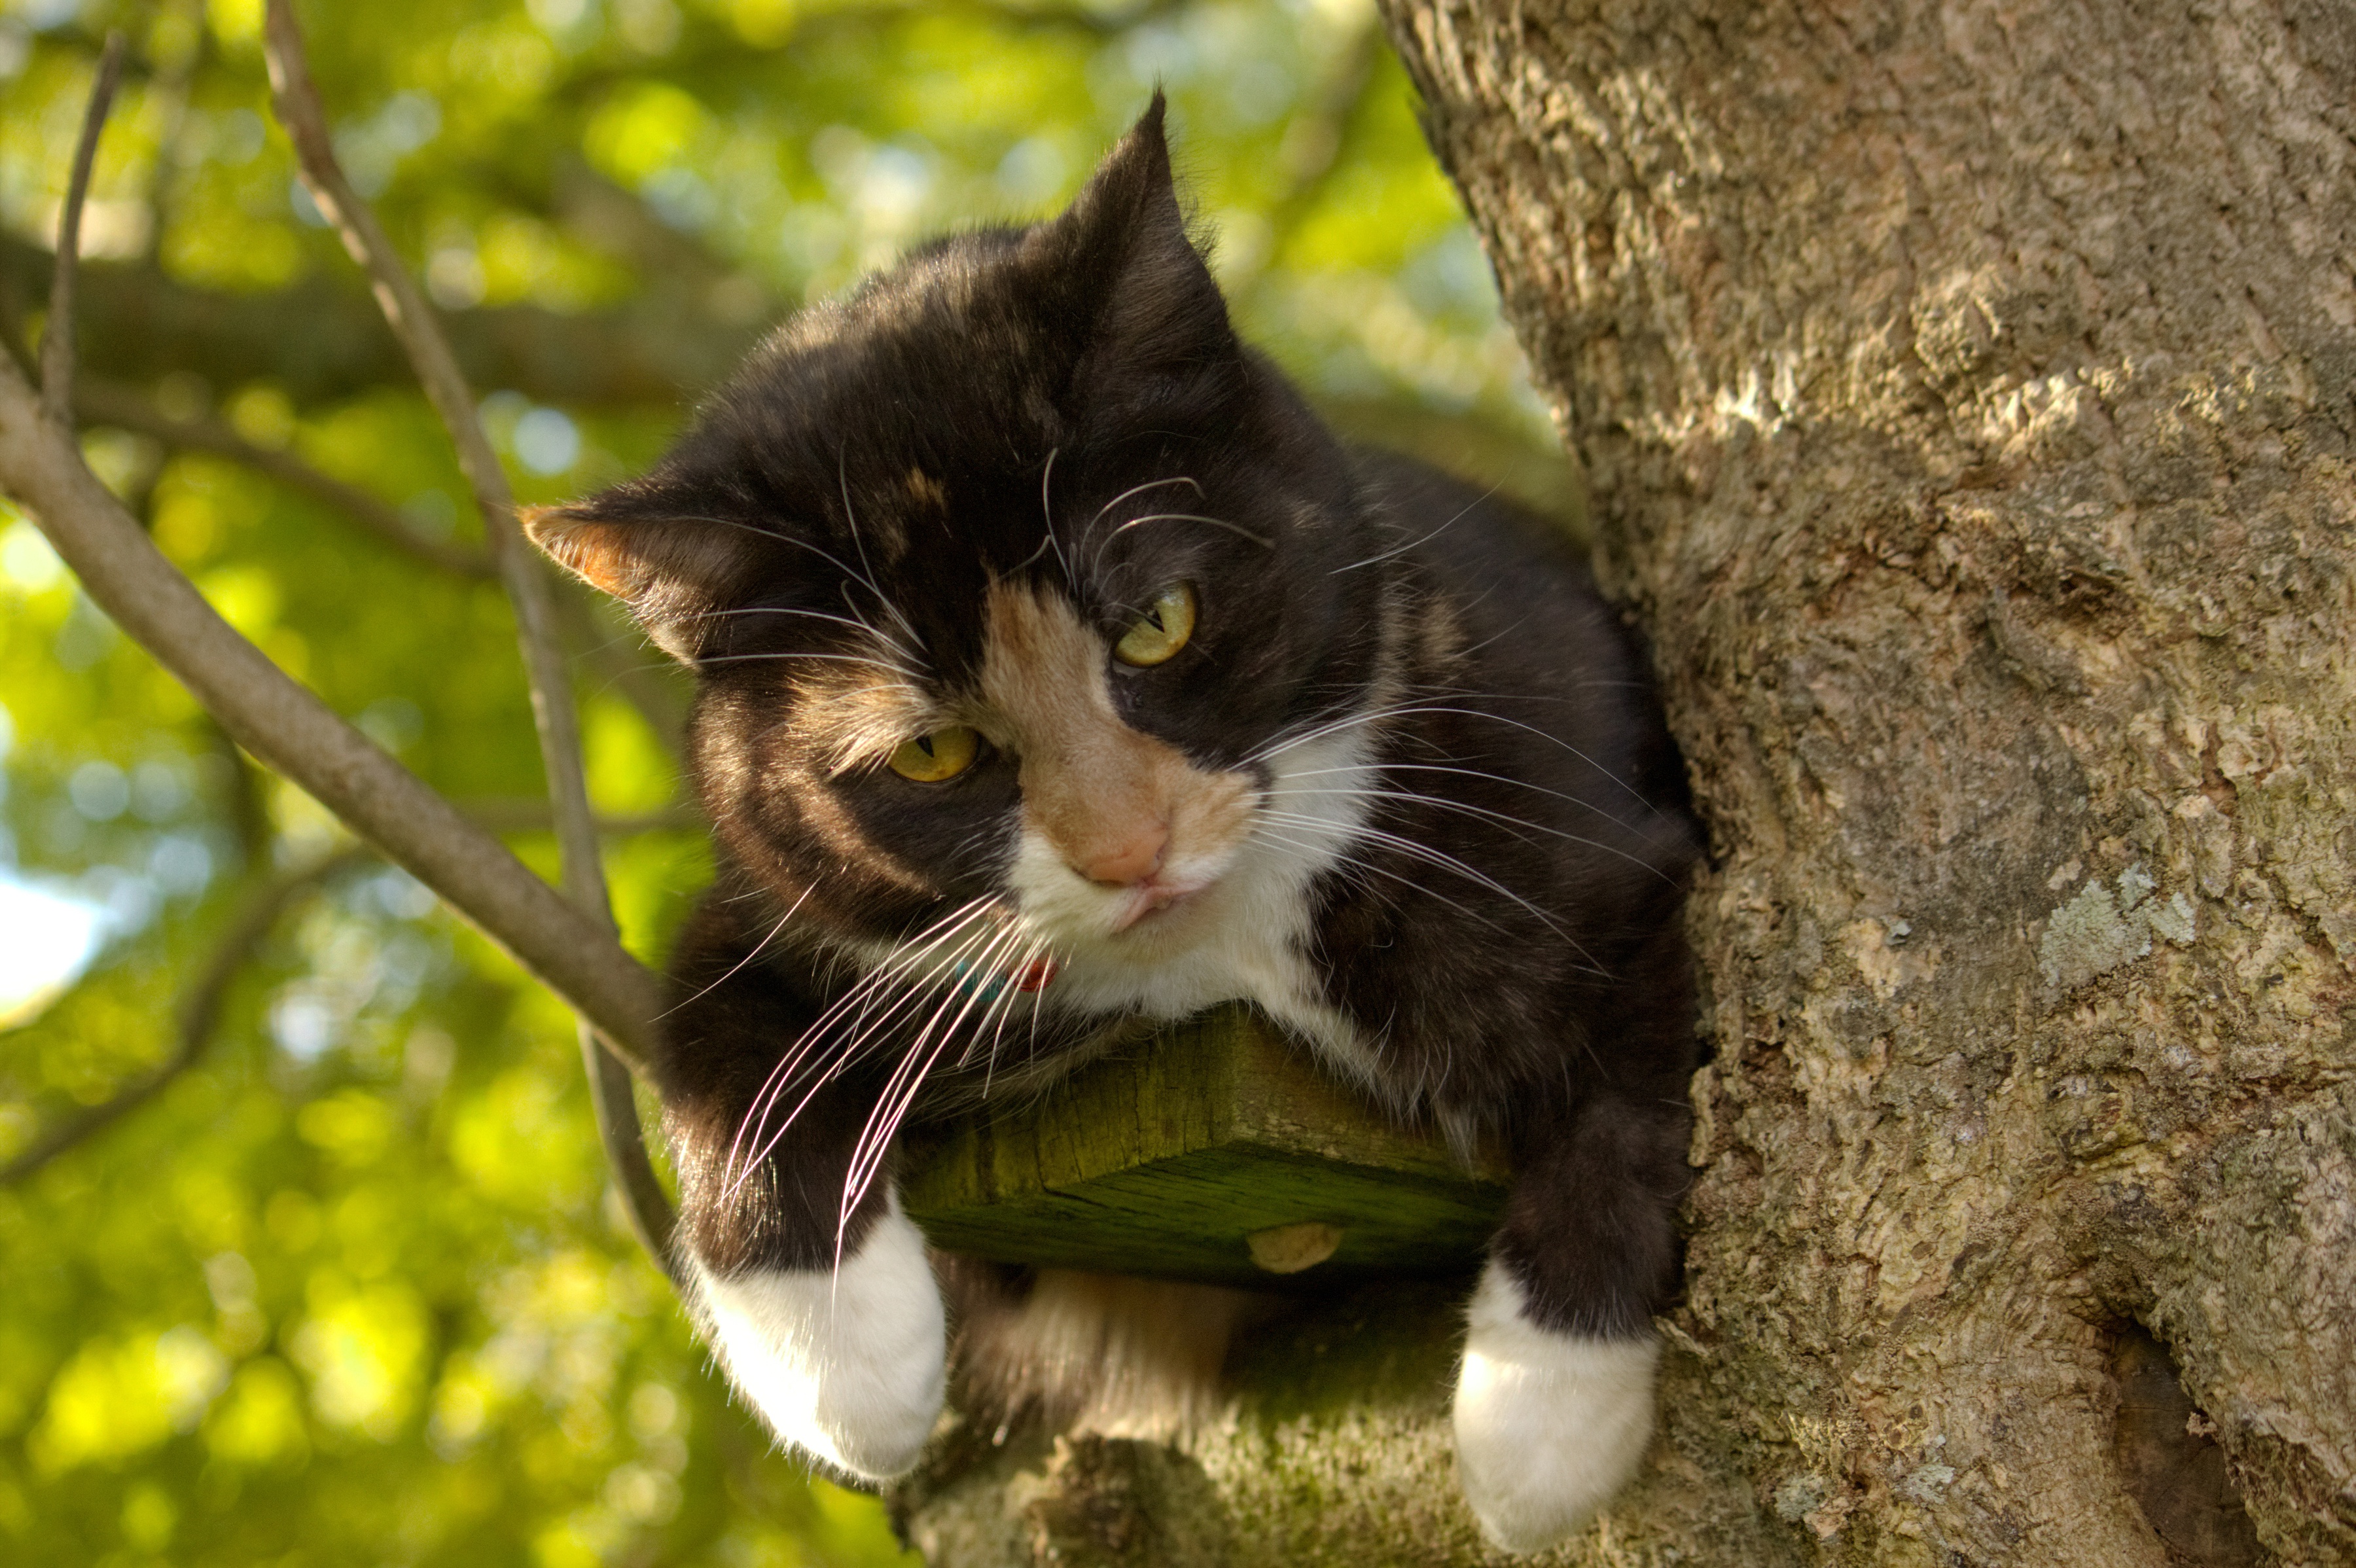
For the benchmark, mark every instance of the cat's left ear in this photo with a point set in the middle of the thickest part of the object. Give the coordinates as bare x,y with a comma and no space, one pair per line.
669,571
1122,246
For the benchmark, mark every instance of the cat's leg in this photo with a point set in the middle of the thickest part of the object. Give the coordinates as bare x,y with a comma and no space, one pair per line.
846,1365
1554,1400
831,1325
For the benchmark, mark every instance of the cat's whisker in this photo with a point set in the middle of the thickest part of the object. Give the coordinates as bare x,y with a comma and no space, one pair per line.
1414,543
1138,490
1348,863
862,994
842,476
1446,861
1414,709
748,958
1237,528
894,643
1047,515
1503,819
1005,1007
899,1092
900,669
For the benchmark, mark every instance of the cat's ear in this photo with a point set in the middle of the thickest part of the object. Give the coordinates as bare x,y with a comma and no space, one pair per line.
669,571
1123,245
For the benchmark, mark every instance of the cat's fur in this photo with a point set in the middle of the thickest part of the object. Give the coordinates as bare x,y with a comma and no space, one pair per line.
1405,790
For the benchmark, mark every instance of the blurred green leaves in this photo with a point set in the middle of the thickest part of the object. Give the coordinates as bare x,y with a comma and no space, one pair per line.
351,1288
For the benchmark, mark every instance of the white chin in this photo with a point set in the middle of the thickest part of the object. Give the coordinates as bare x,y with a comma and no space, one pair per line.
846,1365
1548,1425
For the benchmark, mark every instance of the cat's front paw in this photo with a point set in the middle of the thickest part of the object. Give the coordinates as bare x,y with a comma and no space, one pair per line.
1548,1425
846,1365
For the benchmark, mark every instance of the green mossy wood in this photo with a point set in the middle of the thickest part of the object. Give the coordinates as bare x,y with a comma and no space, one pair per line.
1169,1157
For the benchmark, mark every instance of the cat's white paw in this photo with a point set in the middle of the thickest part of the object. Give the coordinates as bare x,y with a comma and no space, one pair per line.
1548,1425
849,1365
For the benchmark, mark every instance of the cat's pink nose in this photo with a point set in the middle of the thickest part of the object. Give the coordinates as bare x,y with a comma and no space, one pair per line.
1127,861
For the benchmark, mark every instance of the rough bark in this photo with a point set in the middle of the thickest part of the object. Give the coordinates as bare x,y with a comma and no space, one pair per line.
1964,393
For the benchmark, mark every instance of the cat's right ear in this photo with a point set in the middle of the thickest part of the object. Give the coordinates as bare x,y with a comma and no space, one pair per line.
670,572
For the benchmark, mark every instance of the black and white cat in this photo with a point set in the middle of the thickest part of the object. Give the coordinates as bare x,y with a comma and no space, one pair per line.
1057,669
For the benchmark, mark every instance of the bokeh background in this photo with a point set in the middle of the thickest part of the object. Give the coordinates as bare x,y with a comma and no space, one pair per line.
306,1248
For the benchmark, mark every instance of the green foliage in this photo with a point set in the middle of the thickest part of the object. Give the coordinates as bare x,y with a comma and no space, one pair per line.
352,1290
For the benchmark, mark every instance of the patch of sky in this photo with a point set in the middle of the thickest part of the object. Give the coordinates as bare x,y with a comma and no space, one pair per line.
99,790
160,789
26,561
1031,172
893,188
572,24
181,865
546,441
1259,91
127,900
1157,52
302,1024
680,197
306,211
47,938
237,137
42,14
372,149
394,892
1451,278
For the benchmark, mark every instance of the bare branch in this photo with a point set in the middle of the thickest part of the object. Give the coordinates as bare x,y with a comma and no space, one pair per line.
101,402
290,730
296,98
199,1010
58,336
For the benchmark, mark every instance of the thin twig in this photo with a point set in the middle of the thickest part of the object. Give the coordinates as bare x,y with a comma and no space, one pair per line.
57,334
199,1010
296,98
101,402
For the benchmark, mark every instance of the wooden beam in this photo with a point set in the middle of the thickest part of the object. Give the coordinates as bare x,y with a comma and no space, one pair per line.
1216,1144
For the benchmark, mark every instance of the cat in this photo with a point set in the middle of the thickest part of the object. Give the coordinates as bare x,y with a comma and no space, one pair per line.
1057,669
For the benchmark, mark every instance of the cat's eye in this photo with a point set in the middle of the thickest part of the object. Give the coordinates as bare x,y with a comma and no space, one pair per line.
929,758
1162,631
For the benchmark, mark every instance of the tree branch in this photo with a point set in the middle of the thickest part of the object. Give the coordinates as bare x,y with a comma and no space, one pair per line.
296,98
199,1010
292,732
101,402
57,334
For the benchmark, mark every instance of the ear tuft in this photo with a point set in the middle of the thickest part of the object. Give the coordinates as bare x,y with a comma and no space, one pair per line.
590,548
669,570
1123,260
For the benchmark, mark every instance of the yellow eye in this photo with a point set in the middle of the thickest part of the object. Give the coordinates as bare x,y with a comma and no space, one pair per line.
1162,631
929,758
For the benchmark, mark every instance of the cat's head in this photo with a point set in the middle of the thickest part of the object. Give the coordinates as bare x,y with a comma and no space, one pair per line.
1012,574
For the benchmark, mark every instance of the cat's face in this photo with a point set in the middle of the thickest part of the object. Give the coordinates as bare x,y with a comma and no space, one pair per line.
1012,577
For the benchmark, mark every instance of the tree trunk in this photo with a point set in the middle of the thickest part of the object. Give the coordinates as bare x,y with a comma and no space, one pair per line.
1964,394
